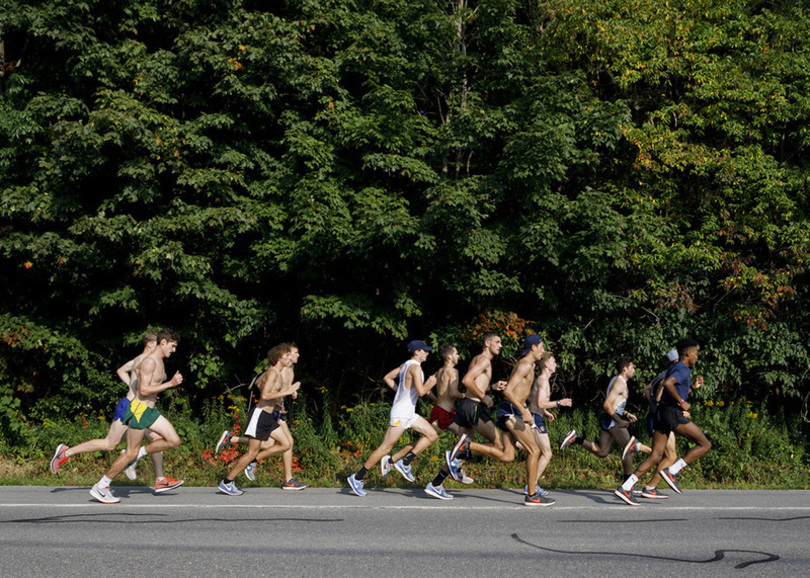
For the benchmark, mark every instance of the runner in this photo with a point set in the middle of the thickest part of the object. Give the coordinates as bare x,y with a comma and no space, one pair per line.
472,413
441,417
261,423
653,393
141,414
539,404
280,415
515,419
670,417
129,375
403,416
614,420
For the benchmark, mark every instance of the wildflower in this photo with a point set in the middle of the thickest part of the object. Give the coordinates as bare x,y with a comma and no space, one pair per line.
28,264
752,415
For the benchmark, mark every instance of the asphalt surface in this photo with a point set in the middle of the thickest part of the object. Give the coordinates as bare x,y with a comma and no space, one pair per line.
62,531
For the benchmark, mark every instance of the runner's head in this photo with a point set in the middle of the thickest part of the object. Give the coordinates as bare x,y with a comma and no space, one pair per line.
533,343
448,352
279,351
492,342
687,351
625,362
547,360
149,337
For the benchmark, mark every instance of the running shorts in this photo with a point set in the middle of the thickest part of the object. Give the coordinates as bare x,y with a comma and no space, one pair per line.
260,424
442,416
668,418
469,412
121,410
140,416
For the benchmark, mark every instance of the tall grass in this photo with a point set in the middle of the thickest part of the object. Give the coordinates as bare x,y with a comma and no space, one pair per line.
751,449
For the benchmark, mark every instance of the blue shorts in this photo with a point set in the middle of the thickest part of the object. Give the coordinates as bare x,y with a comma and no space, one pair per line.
279,415
539,423
505,411
121,410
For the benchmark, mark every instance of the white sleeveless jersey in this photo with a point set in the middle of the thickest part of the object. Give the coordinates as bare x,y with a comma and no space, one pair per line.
405,399
619,409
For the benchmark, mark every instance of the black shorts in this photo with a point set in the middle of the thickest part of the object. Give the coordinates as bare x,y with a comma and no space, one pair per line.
260,424
667,418
469,412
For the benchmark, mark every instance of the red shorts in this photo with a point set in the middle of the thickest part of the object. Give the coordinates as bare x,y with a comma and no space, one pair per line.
441,415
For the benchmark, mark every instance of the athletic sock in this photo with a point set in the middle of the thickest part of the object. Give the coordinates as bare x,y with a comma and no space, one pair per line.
648,488
579,440
141,453
677,466
439,479
361,473
629,483
406,461
104,482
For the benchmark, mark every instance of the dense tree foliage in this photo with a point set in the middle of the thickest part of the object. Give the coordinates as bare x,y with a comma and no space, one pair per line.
352,173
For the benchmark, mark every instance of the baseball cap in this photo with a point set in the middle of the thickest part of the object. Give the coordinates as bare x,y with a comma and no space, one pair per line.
416,345
672,355
529,342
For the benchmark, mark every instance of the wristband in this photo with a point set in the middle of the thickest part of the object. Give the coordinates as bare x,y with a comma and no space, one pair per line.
558,403
680,403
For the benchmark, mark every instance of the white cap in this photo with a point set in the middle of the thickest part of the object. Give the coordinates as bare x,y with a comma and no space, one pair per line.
672,355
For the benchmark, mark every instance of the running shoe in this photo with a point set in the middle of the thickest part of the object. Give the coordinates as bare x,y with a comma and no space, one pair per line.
293,484
230,488
356,486
465,479
404,470
538,489
437,492
104,496
631,448
250,471
538,500
462,445
653,494
130,469
224,440
59,458
453,466
167,484
385,466
636,491
569,438
671,480
628,497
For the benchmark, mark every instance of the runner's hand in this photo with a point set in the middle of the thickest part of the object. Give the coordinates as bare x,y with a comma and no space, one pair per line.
176,379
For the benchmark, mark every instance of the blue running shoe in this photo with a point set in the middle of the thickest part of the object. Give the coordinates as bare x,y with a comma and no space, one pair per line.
453,466
229,488
437,492
404,470
250,471
356,486
538,489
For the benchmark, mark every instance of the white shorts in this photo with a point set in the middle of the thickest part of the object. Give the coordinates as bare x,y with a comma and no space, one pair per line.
405,421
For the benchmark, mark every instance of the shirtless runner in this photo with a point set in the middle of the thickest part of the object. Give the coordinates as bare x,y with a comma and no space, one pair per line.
141,414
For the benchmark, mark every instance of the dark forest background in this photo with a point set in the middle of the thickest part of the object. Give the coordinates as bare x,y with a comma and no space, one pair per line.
352,174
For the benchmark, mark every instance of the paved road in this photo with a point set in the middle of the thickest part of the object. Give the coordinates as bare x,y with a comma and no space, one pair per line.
61,531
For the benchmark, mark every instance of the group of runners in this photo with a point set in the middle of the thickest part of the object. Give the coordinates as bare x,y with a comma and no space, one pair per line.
520,420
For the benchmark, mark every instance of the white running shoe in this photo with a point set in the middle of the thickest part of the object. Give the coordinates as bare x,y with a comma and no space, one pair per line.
386,466
250,471
104,496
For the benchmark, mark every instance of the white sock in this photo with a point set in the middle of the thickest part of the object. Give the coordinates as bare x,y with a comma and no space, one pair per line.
104,483
629,483
677,467
141,453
